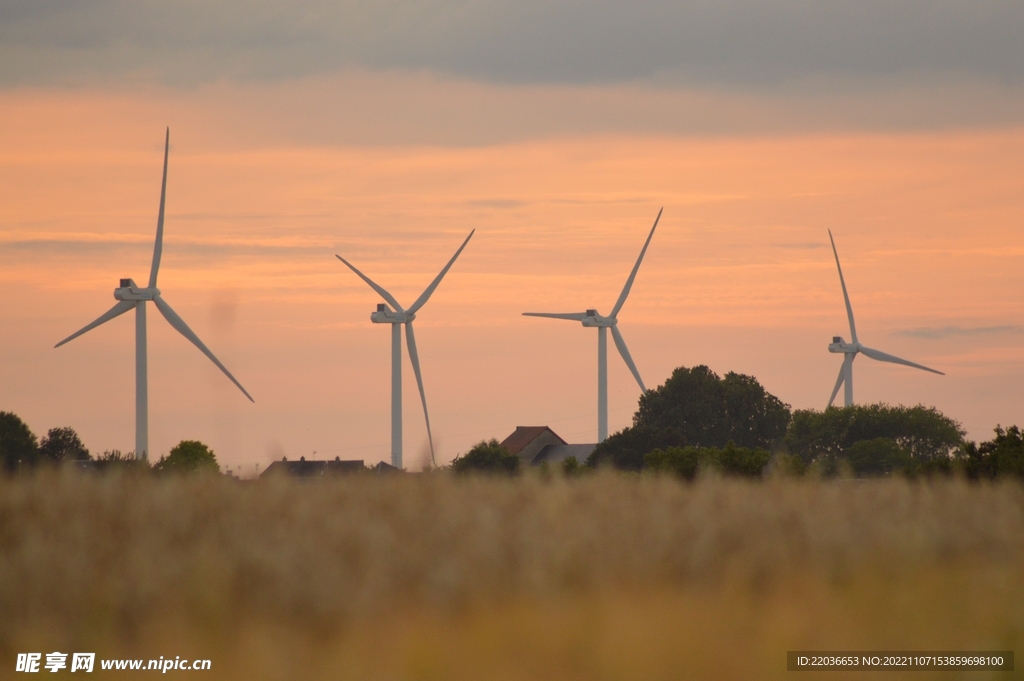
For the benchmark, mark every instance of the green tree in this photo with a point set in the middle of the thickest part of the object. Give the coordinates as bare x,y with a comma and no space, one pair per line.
729,460
188,456
571,467
117,460
18,446
626,449
875,439
878,457
746,462
696,408
486,457
116,456
1001,456
681,461
62,444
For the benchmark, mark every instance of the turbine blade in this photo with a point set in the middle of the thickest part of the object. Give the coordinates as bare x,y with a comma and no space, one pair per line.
620,343
379,289
839,383
116,311
884,357
842,282
574,316
158,245
179,324
422,300
414,357
636,267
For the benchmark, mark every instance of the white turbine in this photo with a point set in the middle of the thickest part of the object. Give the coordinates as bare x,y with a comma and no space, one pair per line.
591,319
396,318
850,350
130,296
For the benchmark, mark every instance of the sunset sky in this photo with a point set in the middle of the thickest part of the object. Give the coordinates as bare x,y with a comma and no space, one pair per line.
385,132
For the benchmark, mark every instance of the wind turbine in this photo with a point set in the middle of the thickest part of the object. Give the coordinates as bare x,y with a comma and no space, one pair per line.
396,317
850,350
591,319
130,296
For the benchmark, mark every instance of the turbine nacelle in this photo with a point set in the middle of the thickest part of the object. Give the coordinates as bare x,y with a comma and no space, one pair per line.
129,291
385,315
592,319
839,346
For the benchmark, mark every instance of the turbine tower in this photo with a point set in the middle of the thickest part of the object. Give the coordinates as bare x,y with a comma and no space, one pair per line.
130,296
850,350
590,319
396,316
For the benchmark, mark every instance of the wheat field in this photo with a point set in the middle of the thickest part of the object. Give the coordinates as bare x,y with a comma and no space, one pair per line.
603,577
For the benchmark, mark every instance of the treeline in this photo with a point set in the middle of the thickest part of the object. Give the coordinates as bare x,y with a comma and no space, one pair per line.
732,424
21,450
699,421
695,421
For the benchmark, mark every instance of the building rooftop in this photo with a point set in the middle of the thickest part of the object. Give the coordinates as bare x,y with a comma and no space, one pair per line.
308,469
524,435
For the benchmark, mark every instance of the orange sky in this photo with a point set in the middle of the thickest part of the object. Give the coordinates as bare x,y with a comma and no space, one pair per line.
263,191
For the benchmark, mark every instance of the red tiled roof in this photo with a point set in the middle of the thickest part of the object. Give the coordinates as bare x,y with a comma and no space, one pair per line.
524,435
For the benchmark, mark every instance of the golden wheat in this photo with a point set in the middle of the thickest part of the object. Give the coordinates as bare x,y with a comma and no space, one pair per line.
605,577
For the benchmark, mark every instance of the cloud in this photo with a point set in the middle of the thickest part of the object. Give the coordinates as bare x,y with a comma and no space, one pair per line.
933,332
730,43
497,203
801,245
74,244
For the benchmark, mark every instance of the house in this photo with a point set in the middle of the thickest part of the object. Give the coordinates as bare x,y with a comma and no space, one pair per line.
527,441
312,469
535,445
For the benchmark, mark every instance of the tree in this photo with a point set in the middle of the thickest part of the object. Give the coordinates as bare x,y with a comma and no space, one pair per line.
115,459
875,439
18,445
696,408
63,444
116,456
626,449
729,460
571,467
189,456
486,457
878,457
1003,455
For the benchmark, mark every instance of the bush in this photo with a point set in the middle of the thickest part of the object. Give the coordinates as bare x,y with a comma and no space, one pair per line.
878,457
486,457
1001,456
681,461
571,467
118,460
116,456
189,456
627,448
787,464
729,460
18,445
